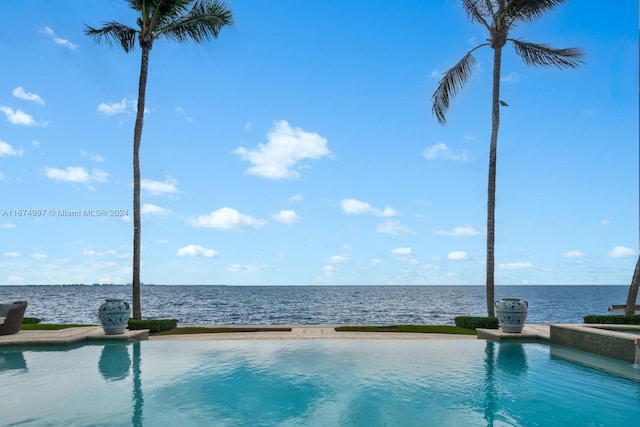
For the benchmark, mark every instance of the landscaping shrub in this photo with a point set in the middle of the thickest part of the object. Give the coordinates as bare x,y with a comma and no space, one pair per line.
474,322
613,319
30,320
153,325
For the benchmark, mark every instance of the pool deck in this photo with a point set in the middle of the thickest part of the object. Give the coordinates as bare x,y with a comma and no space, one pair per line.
298,332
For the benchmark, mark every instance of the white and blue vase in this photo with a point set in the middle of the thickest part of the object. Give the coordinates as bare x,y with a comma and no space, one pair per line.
511,314
114,315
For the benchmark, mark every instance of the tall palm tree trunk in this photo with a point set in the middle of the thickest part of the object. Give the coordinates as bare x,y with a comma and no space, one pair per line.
633,291
491,196
137,137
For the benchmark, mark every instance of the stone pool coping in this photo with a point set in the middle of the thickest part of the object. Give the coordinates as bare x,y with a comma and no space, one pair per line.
311,332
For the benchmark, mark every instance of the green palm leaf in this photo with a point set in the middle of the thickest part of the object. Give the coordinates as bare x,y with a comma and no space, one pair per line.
204,21
529,10
546,56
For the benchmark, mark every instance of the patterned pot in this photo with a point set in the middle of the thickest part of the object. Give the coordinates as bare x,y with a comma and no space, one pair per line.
114,315
511,314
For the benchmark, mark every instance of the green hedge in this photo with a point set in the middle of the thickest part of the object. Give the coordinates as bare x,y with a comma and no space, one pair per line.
613,319
473,322
30,320
153,325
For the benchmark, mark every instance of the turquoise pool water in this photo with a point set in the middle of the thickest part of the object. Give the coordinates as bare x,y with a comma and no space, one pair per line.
309,383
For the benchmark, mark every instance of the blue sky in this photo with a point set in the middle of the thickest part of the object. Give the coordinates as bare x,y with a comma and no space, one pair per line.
299,148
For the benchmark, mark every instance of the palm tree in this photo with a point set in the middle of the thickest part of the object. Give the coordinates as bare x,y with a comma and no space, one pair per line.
499,17
633,291
177,20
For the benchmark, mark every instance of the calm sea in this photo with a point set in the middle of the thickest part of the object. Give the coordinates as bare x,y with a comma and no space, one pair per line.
273,305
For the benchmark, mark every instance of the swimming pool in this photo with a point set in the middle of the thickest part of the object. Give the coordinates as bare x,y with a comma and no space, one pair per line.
309,383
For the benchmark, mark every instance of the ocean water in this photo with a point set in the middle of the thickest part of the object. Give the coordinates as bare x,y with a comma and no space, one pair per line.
304,305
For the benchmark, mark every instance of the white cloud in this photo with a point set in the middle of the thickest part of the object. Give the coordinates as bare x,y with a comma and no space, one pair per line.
295,198
19,117
286,147
8,150
440,151
58,40
7,226
19,92
605,221
148,208
197,251
402,251
114,108
512,77
621,252
329,269
181,111
393,228
356,207
162,241
76,174
515,265
38,256
157,187
12,254
95,157
436,74
337,259
457,255
225,219
465,230
573,254
286,216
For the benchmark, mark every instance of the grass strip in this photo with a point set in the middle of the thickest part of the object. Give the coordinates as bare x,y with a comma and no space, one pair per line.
186,330
427,329
48,326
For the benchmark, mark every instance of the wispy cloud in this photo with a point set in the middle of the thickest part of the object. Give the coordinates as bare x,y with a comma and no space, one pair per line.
76,174
394,228
225,219
19,117
457,256
286,148
184,114
149,208
402,251
19,92
159,187
621,252
115,108
357,207
95,157
512,77
197,251
465,230
515,265
573,254
8,150
59,40
440,151
286,216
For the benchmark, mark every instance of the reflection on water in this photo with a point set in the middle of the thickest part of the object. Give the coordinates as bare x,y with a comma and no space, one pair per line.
114,361
138,399
512,358
12,360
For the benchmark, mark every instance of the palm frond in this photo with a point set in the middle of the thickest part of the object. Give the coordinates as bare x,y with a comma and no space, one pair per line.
478,11
204,21
545,56
114,33
529,10
452,81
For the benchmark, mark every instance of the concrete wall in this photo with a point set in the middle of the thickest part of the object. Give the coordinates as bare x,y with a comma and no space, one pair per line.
599,341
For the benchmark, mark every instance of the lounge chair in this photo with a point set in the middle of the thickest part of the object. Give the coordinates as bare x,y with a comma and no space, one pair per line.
11,316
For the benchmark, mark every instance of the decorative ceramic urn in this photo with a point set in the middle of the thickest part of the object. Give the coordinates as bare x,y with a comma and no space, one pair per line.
511,314
114,315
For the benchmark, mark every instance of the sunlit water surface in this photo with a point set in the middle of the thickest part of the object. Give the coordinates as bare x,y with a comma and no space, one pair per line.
309,383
